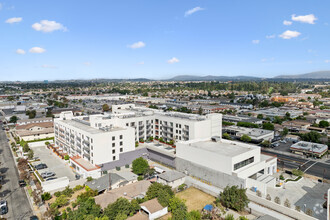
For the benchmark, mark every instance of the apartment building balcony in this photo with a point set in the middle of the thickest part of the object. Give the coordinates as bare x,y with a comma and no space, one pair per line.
79,145
185,135
72,135
72,141
86,149
78,150
86,143
78,139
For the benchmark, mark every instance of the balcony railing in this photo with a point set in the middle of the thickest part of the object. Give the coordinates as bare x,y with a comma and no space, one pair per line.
86,149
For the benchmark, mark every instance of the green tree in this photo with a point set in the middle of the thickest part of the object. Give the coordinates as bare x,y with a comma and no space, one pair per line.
13,119
324,124
285,131
105,107
265,143
268,126
245,138
260,116
194,215
120,207
30,154
234,197
163,193
140,166
178,208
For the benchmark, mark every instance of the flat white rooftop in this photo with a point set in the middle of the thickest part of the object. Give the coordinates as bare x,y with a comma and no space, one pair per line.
86,127
223,147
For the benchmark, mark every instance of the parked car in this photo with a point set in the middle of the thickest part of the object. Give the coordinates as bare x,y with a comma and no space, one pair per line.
21,183
40,166
34,217
3,207
51,178
2,178
283,141
47,174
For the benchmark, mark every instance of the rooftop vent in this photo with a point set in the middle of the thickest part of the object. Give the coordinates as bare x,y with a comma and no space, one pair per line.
215,138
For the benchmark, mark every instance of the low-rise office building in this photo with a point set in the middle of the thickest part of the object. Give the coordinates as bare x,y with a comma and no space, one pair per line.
309,149
235,119
257,135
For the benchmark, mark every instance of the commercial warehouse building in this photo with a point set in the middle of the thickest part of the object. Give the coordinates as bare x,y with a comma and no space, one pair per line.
223,162
257,135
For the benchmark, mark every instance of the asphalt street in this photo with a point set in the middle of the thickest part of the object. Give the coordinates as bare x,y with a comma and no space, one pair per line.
319,169
18,203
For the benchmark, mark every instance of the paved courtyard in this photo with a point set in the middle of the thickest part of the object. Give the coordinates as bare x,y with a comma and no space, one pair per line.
304,192
54,163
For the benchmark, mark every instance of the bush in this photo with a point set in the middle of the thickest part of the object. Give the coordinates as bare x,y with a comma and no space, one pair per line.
297,172
57,194
46,196
277,200
281,177
259,193
268,197
140,178
66,157
309,212
182,187
226,136
297,208
229,217
287,203
89,179
243,218
78,187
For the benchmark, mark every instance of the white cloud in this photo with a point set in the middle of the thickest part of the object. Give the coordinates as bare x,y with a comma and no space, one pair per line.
48,26
20,51
37,50
48,66
14,20
256,41
87,63
270,36
309,19
289,34
173,60
137,45
193,10
287,22
327,61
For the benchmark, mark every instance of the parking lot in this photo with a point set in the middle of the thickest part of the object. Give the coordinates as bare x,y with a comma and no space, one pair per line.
54,163
284,147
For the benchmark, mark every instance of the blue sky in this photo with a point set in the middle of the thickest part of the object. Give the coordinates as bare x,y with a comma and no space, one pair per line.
159,39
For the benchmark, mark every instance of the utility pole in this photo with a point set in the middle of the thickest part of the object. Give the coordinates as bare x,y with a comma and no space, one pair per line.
109,181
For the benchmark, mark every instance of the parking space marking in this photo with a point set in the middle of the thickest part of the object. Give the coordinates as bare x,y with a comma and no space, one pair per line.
310,166
305,162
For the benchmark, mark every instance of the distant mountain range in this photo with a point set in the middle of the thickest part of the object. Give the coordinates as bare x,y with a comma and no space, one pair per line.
211,78
312,75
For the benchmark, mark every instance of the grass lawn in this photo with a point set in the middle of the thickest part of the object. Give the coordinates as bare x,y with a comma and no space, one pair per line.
195,199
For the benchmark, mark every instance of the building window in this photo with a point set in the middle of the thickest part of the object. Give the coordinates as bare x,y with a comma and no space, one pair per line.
121,137
243,163
127,124
91,140
113,144
114,158
121,149
121,143
113,138
113,151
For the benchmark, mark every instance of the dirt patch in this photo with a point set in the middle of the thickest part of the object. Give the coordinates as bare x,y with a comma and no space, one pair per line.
195,199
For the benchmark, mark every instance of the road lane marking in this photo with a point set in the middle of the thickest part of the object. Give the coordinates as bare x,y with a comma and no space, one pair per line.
310,166
305,162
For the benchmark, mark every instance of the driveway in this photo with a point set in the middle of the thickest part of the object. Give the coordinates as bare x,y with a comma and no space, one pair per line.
54,163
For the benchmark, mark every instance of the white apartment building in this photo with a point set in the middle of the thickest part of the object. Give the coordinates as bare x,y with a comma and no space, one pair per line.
174,126
98,139
90,146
